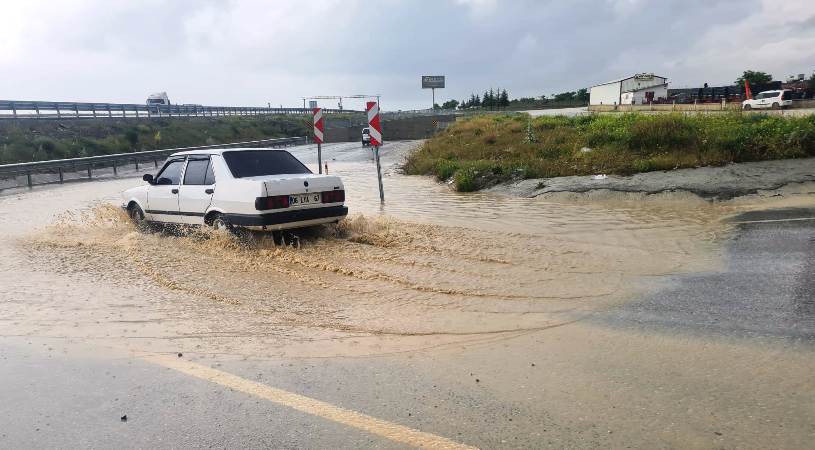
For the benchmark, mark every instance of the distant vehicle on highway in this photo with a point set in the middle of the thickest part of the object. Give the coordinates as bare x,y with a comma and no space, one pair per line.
261,189
776,99
157,100
366,137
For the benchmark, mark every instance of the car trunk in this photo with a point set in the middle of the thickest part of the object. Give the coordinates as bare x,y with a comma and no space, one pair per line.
298,183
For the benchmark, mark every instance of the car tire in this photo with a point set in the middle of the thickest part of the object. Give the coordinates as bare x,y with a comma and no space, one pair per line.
136,215
747,107
776,106
219,223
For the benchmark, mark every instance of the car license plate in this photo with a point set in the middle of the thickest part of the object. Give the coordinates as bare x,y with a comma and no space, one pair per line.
304,199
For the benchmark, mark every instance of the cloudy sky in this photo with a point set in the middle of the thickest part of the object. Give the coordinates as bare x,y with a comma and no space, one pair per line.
250,52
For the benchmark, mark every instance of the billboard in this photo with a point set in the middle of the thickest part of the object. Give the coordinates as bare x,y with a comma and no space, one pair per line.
432,81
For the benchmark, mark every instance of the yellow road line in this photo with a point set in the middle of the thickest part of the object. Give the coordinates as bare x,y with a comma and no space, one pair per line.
389,430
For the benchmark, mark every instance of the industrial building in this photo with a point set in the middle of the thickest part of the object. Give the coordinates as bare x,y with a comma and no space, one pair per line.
638,89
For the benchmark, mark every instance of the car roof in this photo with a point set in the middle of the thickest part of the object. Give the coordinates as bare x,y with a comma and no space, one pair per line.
220,151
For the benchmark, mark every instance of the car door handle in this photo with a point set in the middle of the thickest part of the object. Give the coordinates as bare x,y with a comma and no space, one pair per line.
209,191
174,191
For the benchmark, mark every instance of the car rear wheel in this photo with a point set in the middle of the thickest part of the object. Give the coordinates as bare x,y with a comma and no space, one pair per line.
747,107
776,106
219,223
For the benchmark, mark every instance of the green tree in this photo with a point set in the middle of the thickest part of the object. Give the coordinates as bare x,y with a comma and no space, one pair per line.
565,97
754,77
583,95
503,99
450,104
811,85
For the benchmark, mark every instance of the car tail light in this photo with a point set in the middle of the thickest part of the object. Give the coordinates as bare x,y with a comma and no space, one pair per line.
274,202
337,196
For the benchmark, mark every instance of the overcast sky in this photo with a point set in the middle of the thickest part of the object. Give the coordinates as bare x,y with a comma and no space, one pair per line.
250,52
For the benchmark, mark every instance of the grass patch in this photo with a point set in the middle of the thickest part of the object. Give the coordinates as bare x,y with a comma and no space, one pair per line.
484,150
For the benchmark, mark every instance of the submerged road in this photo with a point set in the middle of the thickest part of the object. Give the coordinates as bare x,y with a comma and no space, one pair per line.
718,357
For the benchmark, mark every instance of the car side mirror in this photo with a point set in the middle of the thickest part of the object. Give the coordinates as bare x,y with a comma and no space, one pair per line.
148,177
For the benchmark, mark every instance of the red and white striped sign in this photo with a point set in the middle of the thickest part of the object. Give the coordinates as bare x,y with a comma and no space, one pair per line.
373,124
319,125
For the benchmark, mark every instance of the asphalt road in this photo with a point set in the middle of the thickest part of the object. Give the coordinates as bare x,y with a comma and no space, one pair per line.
767,291
716,359
558,388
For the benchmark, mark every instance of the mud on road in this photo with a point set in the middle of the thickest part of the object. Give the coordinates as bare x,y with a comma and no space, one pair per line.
428,272
432,266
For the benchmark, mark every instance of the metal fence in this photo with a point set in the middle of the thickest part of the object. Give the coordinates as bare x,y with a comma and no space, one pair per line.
12,109
153,157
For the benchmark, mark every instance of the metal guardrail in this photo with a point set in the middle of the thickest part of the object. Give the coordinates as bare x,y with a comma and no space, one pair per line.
115,161
18,109
14,109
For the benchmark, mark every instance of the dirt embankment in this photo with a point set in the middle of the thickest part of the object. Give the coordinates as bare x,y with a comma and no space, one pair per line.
720,183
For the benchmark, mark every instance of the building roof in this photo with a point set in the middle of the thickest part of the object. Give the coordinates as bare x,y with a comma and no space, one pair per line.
626,78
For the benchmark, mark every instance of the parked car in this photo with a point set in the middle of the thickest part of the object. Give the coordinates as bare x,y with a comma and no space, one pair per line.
775,99
261,189
366,137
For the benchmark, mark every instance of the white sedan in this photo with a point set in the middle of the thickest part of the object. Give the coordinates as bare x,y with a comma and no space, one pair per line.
261,189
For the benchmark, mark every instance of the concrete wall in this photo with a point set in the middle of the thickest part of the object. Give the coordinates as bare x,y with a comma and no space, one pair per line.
349,130
638,97
637,84
688,107
605,94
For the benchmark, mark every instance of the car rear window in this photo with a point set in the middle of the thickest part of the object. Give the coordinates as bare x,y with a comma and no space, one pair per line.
255,163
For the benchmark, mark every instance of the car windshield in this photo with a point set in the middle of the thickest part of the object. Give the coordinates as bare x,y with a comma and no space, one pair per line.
254,163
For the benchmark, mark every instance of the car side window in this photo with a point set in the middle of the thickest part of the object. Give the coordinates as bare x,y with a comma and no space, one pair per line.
171,174
210,176
197,171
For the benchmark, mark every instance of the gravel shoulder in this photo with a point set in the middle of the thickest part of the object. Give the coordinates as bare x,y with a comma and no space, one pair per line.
720,183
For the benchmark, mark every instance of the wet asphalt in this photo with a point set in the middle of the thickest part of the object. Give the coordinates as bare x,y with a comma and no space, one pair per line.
766,291
57,395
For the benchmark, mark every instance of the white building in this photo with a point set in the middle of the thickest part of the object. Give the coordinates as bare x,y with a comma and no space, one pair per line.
637,89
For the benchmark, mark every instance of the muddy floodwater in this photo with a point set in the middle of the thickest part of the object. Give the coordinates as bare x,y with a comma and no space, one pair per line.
525,304
429,267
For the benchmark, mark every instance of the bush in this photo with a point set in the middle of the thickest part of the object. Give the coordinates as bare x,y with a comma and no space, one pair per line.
480,150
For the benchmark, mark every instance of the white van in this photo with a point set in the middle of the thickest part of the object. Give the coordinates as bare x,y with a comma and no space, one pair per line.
769,99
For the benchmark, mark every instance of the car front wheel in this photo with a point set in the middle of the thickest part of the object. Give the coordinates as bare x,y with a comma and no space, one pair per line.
136,215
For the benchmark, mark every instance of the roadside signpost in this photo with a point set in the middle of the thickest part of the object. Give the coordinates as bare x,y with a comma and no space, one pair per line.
433,82
375,128
319,128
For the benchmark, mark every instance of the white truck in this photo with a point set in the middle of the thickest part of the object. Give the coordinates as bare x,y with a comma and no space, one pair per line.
158,102
158,99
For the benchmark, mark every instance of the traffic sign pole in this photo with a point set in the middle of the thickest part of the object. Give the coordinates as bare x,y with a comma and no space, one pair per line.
375,130
319,127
